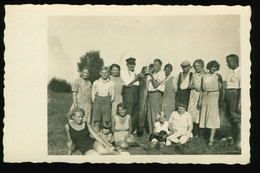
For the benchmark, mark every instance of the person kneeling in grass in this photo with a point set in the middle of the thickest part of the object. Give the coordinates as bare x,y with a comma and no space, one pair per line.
180,124
122,129
82,137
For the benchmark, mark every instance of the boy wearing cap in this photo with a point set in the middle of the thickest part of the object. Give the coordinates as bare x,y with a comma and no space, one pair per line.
130,93
183,92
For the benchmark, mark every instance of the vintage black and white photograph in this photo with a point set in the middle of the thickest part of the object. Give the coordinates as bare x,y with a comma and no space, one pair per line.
147,82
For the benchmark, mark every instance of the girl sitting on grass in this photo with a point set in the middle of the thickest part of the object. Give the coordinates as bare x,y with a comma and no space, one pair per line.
122,128
79,136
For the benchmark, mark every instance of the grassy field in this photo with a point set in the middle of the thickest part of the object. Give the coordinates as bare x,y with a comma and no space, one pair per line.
60,103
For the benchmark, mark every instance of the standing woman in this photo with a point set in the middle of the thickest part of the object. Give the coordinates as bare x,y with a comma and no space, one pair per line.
168,99
194,86
211,86
81,93
115,77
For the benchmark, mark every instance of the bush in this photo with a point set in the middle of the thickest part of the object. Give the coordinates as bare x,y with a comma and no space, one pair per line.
59,85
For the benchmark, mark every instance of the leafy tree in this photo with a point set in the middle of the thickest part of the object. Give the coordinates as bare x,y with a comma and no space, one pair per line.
59,85
93,62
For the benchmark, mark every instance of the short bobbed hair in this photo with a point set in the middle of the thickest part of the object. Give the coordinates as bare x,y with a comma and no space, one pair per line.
213,64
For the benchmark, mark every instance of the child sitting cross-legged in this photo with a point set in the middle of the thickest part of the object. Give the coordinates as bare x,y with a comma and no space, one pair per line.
160,131
180,124
105,133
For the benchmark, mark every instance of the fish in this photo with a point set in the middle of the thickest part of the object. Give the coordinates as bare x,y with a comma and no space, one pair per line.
143,101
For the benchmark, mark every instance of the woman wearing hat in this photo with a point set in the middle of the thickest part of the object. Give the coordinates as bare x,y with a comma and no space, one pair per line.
83,138
183,92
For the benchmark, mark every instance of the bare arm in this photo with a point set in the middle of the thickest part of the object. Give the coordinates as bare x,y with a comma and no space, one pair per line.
154,82
95,135
74,97
135,79
113,123
191,86
69,141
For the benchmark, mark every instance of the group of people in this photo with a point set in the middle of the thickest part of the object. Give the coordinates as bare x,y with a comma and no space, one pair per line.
105,115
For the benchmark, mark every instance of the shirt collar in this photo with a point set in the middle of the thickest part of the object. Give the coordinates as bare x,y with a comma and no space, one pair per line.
236,70
102,80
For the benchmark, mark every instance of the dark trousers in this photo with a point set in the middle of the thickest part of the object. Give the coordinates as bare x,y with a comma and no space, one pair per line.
101,109
182,96
131,100
232,115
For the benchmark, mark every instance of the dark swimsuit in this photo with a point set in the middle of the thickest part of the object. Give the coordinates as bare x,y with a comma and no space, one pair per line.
81,138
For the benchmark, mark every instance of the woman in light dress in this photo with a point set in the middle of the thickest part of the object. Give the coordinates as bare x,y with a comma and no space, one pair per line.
195,86
81,93
115,77
211,88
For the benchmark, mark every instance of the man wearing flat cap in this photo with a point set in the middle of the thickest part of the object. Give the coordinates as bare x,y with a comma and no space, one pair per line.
130,93
184,78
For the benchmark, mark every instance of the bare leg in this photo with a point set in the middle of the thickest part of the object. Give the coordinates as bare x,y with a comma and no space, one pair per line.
92,152
98,147
96,126
212,134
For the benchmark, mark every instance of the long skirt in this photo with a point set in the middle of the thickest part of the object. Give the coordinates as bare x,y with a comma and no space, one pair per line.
209,115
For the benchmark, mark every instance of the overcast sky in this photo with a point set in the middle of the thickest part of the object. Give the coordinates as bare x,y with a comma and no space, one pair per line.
170,38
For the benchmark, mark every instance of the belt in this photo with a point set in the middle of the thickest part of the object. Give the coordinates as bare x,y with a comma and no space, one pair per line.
156,91
232,89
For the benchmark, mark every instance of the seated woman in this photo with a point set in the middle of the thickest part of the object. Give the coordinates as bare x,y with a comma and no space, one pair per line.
180,124
81,135
121,128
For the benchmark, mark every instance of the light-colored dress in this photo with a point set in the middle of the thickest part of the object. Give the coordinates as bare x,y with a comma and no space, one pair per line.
168,99
209,115
118,93
194,97
121,127
83,88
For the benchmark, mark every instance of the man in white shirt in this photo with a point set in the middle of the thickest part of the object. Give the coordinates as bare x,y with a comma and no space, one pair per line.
155,94
233,98
130,93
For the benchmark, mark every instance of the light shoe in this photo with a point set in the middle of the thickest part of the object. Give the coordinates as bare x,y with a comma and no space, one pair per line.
168,143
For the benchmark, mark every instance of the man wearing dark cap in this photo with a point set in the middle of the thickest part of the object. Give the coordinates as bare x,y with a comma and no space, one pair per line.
183,92
130,81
